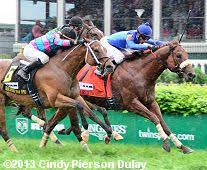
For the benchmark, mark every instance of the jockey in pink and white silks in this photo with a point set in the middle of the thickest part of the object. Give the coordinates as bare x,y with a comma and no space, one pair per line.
39,50
139,39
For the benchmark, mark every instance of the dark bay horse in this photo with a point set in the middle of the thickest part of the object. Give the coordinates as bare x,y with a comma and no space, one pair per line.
133,86
57,86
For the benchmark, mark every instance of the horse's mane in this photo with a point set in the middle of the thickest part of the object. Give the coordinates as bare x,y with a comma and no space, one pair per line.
148,56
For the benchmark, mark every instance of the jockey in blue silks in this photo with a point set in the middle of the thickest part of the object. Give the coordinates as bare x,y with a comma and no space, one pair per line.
139,39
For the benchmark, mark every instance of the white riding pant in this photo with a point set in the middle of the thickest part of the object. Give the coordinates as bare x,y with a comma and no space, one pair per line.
112,52
32,54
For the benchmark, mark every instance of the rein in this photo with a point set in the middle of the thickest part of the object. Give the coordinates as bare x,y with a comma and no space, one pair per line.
178,67
88,49
91,51
90,29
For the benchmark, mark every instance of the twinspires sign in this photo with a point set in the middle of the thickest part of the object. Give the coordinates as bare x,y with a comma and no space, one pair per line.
135,129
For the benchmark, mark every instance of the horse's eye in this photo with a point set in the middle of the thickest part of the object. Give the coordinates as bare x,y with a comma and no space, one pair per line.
179,56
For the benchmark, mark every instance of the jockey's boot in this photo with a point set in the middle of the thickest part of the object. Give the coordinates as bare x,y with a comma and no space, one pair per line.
98,71
23,72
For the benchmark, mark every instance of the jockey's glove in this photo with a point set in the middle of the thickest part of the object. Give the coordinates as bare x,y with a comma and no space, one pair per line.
79,42
72,43
154,48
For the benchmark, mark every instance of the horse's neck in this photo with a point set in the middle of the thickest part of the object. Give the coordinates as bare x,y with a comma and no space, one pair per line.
152,66
70,62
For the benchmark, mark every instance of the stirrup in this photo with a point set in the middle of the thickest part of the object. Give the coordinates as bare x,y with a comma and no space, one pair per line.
97,72
21,73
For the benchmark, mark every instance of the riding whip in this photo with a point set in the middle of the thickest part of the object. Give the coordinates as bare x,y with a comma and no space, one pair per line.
185,25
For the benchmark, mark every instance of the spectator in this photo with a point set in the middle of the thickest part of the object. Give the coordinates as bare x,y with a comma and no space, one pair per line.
36,32
37,29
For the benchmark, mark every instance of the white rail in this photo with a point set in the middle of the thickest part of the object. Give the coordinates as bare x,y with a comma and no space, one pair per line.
200,63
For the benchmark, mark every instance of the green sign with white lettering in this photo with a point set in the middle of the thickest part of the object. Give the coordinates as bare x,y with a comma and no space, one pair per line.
191,130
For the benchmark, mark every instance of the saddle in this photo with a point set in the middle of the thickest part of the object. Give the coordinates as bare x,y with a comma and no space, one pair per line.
14,84
92,84
95,86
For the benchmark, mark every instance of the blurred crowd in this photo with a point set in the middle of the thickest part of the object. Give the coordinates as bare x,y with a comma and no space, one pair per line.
125,16
174,15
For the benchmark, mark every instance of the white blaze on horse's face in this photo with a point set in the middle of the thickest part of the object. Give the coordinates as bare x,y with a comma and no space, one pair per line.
179,63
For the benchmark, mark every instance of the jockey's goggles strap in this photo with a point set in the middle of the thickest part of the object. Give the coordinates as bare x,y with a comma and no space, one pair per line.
65,36
144,37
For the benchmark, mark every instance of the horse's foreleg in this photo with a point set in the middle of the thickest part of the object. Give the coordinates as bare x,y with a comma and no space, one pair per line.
137,107
154,108
3,130
41,119
84,134
106,119
96,119
62,102
56,118
76,129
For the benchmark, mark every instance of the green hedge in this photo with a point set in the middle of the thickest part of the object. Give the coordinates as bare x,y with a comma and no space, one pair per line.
5,56
185,99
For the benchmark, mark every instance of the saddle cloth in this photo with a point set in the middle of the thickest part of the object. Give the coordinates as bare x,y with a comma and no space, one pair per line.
93,85
14,84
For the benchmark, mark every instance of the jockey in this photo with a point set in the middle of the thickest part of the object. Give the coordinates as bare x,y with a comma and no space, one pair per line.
139,39
40,49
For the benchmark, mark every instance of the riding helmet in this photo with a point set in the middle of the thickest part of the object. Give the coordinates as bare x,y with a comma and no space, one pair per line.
68,32
76,21
145,29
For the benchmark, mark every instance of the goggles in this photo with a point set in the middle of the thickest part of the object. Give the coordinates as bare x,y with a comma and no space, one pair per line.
143,37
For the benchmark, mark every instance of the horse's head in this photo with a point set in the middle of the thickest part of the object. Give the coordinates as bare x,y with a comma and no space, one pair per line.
178,61
93,33
96,54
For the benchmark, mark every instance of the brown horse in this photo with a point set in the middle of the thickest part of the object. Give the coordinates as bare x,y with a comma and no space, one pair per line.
138,94
57,86
94,33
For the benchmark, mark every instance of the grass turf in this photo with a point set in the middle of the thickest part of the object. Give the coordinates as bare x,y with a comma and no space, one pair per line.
154,156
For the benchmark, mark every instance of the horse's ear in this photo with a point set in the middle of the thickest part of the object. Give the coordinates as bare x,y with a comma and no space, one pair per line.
85,26
86,39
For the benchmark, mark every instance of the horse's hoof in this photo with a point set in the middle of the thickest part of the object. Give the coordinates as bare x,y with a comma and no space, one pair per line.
44,140
14,149
186,150
41,146
107,140
58,142
166,146
117,136
85,147
62,132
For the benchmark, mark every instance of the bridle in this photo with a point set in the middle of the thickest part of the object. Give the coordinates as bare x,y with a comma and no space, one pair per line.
178,67
88,50
94,37
89,30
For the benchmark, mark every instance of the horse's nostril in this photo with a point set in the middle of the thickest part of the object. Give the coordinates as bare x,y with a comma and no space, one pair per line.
108,66
191,75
